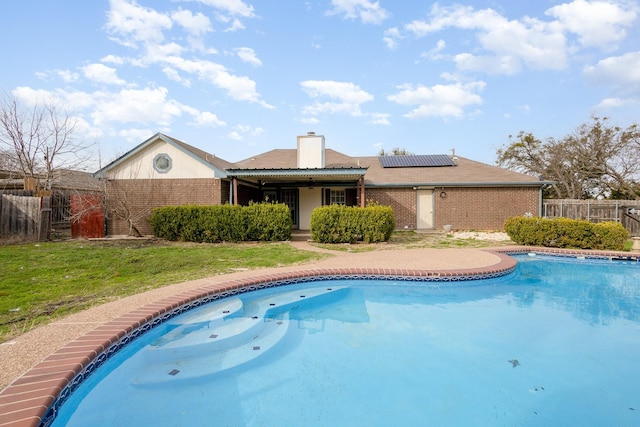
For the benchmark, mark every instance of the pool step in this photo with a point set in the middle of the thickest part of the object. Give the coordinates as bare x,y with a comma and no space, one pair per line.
224,337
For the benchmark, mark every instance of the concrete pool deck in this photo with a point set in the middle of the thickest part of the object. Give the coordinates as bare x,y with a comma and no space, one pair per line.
38,365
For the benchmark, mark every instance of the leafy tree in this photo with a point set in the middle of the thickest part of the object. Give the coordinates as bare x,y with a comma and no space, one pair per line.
597,160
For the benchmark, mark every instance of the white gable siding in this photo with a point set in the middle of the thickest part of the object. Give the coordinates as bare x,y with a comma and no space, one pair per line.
140,165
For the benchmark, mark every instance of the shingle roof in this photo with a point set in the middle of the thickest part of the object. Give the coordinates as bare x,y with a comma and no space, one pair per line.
288,159
203,155
465,172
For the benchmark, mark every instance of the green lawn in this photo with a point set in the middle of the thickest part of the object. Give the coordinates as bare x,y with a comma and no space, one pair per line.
41,282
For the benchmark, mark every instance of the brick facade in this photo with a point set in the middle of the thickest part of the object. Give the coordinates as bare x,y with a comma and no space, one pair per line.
465,208
134,199
402,200
482,208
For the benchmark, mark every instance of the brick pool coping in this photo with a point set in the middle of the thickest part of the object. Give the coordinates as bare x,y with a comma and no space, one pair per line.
31,400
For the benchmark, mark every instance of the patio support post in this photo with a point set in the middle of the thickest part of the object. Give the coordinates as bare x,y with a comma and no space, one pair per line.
362,199
235,190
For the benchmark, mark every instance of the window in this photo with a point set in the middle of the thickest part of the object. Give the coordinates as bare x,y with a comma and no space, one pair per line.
162,163
337,197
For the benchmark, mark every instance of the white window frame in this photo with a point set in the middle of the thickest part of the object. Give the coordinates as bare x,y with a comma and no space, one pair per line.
338,197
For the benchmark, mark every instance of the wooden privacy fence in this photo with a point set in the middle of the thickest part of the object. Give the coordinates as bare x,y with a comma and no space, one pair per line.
626,212
25,218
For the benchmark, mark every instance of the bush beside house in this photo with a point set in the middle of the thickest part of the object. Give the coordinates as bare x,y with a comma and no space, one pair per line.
566,233
348,224
222,223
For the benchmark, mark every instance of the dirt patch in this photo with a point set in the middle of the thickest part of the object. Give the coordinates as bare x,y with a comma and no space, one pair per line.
480,235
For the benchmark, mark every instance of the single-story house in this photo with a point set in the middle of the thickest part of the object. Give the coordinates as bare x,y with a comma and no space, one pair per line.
425,191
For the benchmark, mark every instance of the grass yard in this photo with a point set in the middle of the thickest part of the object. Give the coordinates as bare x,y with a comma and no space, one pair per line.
41,282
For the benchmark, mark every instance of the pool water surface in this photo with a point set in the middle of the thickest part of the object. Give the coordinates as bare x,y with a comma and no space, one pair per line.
557,342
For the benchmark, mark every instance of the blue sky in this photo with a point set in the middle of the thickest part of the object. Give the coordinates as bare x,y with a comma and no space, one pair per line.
237,78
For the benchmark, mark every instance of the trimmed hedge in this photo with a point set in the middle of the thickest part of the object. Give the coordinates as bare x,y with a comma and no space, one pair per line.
222,223
566,233
348,224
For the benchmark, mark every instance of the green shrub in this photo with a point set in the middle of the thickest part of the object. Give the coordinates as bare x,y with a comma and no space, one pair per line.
611,235
268,222
223,223
566,233
348,224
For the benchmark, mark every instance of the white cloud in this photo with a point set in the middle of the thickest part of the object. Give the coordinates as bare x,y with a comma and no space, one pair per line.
347,96
379,119
131,24
239,88
236,25
148,105
235,136
435,54
134,136
506,45
367,11
207,119
100,73
173,75
241,131
67,76
613,103
232,7
113,59
197,25
620,71
249,56
142,28
444,101
391,37
157,53
309,120
344,91
597,23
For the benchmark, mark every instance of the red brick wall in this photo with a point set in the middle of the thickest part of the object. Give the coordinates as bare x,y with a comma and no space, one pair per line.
468,208
134,198
402,200
482,208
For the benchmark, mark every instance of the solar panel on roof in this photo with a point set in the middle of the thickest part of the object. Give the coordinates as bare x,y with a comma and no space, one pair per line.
416,161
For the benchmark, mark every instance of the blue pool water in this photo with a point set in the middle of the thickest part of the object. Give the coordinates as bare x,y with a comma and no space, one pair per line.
555,343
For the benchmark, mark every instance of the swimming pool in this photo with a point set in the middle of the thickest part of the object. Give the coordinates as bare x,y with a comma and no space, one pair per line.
556,342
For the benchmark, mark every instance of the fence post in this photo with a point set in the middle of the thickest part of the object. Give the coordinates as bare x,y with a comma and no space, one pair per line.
44,227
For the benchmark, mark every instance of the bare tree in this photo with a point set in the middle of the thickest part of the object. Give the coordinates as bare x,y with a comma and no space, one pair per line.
397,151
130,197
41,139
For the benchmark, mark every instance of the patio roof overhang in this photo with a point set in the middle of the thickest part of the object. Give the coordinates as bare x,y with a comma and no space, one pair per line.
298,177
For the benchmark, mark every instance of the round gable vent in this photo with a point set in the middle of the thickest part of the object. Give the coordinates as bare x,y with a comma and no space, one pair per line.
162,163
